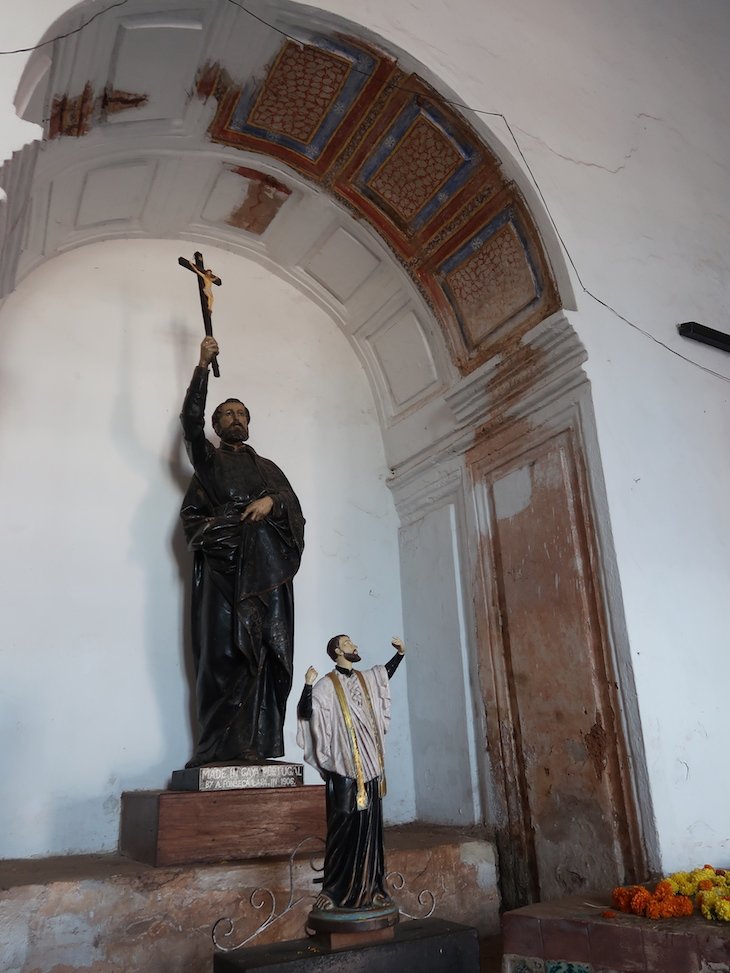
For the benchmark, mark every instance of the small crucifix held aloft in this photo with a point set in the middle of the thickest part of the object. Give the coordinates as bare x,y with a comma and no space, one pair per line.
206,278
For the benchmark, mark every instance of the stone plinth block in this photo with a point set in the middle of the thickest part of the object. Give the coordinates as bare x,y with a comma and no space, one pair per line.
575,933
180,827
428,945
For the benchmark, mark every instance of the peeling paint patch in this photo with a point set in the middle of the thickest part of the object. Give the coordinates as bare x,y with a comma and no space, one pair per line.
71,116
213,81
114,101
513,493
480,856
264,198
596,742
75,116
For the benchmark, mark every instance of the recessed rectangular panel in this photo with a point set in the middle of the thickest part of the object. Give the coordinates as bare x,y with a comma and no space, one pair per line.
558,679
225,195
417,166
245,198
431,609
341,264
114,193
405,359
491,279
155,59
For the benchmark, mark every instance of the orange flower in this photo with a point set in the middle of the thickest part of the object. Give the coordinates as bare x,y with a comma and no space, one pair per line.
639,900
664,890
655,909
705,884
621,897
685,905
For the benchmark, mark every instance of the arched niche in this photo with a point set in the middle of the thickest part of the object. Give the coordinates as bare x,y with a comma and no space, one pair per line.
305,143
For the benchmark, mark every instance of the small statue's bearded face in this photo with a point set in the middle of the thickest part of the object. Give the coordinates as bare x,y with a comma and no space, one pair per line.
347,648
232,423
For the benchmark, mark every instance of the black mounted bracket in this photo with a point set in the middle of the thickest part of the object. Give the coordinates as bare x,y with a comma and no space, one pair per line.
708,336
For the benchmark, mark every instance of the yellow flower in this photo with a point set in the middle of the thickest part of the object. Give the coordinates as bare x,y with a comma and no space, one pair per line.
683,883
707,904
699,874
722,909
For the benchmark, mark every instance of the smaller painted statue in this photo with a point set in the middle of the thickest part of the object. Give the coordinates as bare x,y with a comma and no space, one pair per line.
342,720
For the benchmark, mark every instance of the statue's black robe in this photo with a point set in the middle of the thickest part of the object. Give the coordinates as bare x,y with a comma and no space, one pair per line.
242,596
353,858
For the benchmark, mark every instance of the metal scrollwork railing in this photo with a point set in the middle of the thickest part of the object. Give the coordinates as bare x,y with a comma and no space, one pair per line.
426,898
258,901
261,898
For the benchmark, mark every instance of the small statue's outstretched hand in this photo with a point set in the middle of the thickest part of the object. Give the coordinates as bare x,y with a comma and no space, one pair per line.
398,645
208,351
310,676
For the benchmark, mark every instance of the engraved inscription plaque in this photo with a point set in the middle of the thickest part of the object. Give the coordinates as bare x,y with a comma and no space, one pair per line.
228,777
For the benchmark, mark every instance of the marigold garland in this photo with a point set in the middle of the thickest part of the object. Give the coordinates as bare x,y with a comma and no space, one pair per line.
708,888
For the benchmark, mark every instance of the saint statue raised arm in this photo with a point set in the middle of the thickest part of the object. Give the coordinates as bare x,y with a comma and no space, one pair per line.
245,527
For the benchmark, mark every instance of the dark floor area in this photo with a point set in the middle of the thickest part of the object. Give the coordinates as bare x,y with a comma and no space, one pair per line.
490,955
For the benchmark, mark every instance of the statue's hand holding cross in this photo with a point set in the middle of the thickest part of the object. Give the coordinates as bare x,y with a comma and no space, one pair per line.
206,278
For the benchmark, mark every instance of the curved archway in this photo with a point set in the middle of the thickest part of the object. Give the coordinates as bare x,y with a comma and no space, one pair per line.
316,151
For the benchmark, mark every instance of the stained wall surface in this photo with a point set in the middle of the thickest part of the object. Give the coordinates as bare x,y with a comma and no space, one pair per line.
621,113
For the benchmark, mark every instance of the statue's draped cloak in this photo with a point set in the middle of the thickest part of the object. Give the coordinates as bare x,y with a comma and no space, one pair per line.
242,609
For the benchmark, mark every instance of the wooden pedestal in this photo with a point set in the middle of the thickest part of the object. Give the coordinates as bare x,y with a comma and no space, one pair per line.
179,828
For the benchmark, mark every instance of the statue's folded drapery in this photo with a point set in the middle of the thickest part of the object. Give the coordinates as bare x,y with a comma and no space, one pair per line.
242,598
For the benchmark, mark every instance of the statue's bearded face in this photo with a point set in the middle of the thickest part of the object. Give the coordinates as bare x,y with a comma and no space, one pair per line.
232,423
348,649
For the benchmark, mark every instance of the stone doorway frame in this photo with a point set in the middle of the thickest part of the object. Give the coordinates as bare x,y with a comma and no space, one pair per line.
538,396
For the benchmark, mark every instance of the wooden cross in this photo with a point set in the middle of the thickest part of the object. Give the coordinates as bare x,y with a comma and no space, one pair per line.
206,278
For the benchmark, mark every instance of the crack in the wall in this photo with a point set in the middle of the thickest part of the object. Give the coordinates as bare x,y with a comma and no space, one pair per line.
581,162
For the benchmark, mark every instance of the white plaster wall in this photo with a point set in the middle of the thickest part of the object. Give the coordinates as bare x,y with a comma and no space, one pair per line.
622,112
98,348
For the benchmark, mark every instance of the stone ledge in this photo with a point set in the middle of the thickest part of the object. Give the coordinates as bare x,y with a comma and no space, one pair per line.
572,933
107,914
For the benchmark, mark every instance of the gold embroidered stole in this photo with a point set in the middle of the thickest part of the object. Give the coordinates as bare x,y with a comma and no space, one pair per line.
382,785
362,798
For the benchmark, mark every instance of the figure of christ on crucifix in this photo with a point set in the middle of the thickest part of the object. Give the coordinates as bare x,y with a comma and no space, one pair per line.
206,279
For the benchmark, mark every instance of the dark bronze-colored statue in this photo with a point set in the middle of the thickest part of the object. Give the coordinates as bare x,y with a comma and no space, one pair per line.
244,524
342,719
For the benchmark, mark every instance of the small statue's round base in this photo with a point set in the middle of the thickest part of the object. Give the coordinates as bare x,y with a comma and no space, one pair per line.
353,920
